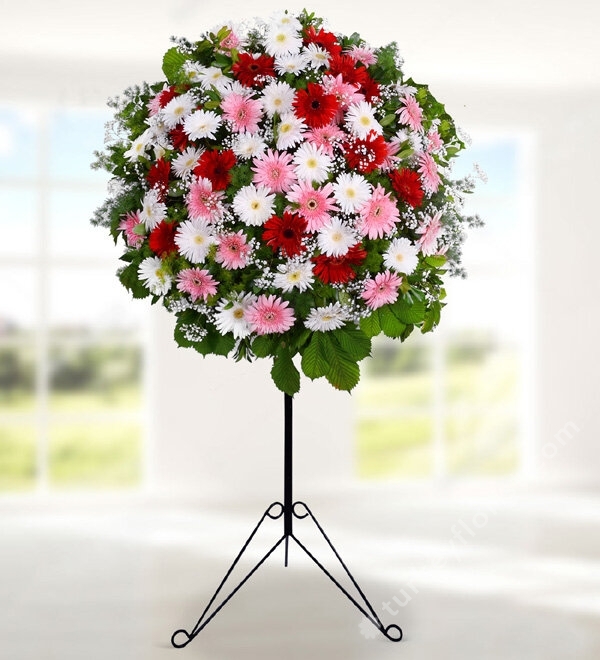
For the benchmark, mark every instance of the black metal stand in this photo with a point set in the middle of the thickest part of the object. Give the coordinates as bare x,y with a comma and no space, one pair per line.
289,510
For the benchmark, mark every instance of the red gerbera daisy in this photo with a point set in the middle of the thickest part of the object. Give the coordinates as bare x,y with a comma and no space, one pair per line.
158,177
166,95
215,166
326,40
349,70
315,106
370,89
179,138
338,270
368,154
251,70
162,239
285,233
407,185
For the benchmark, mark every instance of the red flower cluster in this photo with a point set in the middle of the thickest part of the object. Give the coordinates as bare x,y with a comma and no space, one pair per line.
407,185
327,40
250,70
158,177
285,233
162,239
315,106
179,138
355,74
368,154
215,166
338,270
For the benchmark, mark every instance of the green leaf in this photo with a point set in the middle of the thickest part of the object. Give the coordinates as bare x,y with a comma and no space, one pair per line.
342,373
284,373
130,280
409,312
173,60
390,323
353,341
314,362
264,345
435,260
370,324
388,119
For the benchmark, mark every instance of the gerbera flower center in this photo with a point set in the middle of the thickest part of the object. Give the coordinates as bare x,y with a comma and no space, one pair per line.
199,240
255,205
312,204
238,313
288,233
315,105
337,236
311,162
365,121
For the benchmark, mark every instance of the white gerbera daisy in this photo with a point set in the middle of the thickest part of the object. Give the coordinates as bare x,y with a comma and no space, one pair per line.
317,56
285,20
323,319
231,315
282,40
295,64
360,119
289,131
194,239
186,161
138,146
202,124
212,76
401,256
278,97
153,212
154,277
177,109
193,71
248,145
254,205
335,238
312,163
351,191
294,274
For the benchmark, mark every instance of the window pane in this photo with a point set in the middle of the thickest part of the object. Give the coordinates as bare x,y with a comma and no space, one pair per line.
17,301
17,457
95,455
84,301
17,377
71,233
18,142
74,136
482,443
92,377
17,222
395,447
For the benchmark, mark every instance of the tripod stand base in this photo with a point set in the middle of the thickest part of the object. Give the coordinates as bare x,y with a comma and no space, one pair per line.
300,510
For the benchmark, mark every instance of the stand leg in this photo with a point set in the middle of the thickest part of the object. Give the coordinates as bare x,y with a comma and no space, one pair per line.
181,638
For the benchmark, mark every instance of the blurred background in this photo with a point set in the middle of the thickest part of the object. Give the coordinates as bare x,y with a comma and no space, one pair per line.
460,481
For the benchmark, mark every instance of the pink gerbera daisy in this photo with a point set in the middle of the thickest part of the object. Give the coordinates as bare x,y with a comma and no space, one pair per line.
347,93
243,113
233,250
313,205
270,314
204,202
198,283
378,215
429,172
434,141
325,137
411,114
382,289
361,54
274,170
128,225
430,231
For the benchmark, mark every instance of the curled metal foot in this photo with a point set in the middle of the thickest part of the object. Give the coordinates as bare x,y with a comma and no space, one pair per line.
184,636
393,632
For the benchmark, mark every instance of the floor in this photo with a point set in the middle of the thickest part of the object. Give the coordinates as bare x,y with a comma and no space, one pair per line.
489,579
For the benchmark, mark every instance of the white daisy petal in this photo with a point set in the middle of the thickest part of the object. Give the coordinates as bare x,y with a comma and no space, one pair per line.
401,256
351,191
154,277
335,238
231,315
254,205
194,239
202,124
360,119
324,319
278,97
312,163
177,109
153,212
294,275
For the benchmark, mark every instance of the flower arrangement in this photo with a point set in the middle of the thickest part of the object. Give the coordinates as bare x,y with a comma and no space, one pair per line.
286,192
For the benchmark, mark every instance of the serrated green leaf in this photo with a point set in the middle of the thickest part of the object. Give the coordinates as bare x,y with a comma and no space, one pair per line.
342,373
409,312
130,280
388,119
264,345
390,323
314,362
284,373
370,324
353,341
173,60
435,260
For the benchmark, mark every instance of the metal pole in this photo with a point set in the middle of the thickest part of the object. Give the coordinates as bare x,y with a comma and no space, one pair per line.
287,473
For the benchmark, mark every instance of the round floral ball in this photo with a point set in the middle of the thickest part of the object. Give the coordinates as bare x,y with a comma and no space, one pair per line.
286,191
